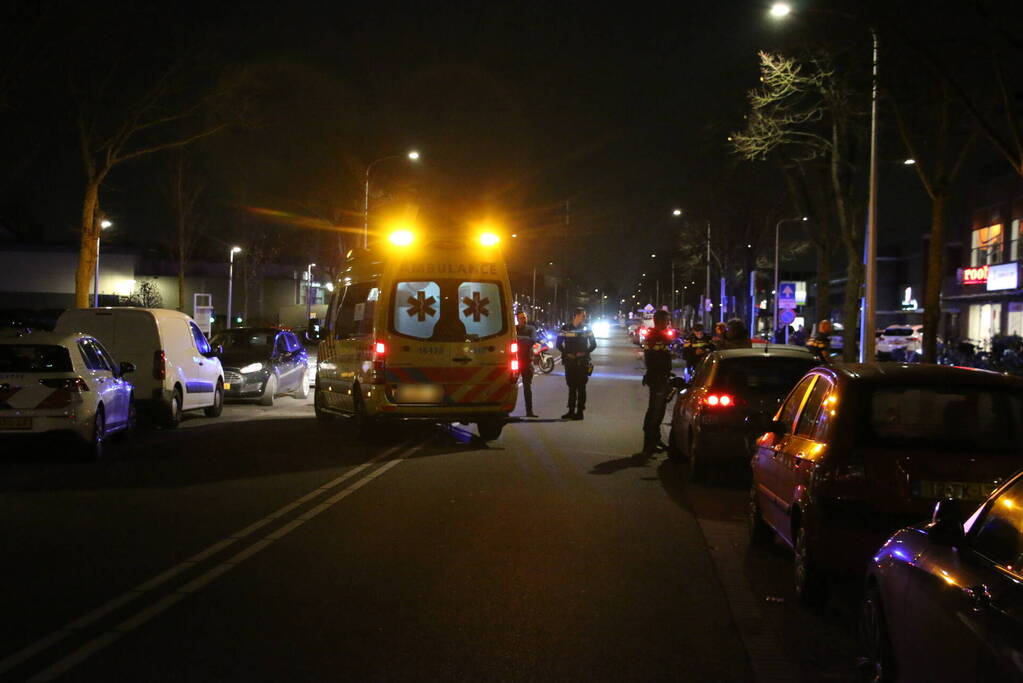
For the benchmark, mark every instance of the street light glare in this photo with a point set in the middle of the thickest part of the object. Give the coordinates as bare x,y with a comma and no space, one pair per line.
780,9
909,162
413,155
653,255
676,212
235,250
104,224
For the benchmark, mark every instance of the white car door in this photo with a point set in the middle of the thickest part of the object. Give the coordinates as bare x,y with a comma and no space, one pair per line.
121,387
100,379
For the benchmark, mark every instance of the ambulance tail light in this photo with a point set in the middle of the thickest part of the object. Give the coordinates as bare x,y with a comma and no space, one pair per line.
379,362
159,365
513,364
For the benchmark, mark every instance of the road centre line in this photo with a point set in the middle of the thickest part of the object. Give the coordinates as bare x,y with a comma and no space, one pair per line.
107,638
45,643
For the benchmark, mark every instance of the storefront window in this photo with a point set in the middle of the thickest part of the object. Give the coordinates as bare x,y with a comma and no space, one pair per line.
985,322
987,245
1014,241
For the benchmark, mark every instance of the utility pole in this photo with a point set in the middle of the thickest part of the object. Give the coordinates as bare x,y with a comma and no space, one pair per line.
708,315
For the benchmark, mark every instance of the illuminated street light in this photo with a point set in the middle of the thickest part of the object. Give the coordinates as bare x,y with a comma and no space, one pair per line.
780,9
909,162
412,155
230,282
676,212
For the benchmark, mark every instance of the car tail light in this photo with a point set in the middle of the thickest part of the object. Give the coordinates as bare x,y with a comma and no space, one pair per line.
670,334
719,400
379,363
159,365
514,347
76,385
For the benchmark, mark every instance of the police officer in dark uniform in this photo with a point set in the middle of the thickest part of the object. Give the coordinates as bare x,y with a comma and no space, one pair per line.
525,335
576,343
820,343
657,357
695,346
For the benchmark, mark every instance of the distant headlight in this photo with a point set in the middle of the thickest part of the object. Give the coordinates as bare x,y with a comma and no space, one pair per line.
601,328
251,367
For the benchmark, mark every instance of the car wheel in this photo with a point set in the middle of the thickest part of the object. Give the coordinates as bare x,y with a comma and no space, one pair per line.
760,533
94,448
809,582
302,391
218,402
879,660
699,468
269,391
173,412
490,430
132,424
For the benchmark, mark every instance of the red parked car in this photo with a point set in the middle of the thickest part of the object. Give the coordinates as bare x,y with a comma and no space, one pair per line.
856,452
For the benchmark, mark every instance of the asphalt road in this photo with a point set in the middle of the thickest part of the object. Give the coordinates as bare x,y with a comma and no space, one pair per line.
263,546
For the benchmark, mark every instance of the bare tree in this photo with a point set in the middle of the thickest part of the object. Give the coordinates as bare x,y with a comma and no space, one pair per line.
183,192
169,113
805,111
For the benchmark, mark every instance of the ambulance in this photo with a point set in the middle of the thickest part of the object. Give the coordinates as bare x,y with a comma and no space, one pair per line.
419,327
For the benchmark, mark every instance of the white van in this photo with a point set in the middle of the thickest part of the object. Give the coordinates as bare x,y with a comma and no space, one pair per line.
176,368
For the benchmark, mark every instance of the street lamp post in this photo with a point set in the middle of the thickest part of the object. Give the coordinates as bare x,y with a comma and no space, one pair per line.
308,294
103,225
774,308
411,156
230,283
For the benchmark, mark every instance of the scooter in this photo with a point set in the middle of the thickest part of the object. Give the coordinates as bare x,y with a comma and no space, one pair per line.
543,359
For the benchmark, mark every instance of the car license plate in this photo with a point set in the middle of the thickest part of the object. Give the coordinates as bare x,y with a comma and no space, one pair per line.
952,489
419,393
227,386
15,423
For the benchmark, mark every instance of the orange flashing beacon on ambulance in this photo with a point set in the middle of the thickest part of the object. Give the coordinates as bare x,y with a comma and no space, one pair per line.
420,327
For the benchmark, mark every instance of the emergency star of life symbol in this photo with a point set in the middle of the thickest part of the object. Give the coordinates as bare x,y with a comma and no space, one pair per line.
421,306
475,306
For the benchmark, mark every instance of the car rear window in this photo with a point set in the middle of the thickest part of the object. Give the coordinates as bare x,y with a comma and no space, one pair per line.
767,374
945,418
34,358
261,340
449,310
898,332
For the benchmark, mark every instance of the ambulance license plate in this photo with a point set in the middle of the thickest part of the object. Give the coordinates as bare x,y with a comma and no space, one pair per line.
15,423
419,393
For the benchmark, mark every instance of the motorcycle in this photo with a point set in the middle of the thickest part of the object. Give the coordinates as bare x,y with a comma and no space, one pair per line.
543,359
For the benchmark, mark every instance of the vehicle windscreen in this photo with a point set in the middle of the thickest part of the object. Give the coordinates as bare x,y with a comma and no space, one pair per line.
945,418
34,358
448,310
246,339
898,332
761,374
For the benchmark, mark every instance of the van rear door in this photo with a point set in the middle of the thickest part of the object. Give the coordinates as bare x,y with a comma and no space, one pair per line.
450,338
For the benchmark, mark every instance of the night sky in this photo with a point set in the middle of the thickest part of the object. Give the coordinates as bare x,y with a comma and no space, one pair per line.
516,108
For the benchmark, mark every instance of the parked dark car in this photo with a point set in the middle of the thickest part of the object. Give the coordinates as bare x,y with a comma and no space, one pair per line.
263,362
944,601
858,451
719,414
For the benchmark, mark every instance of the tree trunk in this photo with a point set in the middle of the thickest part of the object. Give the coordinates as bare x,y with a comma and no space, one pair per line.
935,271
181,284
823,304
87,247
851,309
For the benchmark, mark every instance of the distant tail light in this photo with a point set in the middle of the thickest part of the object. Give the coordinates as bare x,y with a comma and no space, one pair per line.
670,334
719,400
75,385
379,363
159,365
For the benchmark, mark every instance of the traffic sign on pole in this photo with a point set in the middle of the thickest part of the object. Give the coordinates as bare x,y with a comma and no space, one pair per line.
786,295
787,316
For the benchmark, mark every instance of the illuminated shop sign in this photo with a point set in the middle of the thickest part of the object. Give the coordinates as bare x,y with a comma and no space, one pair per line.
1004,276
973,276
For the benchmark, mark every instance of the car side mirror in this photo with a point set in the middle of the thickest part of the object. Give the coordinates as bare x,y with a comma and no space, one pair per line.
126,367
216,352
679,383
946,527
